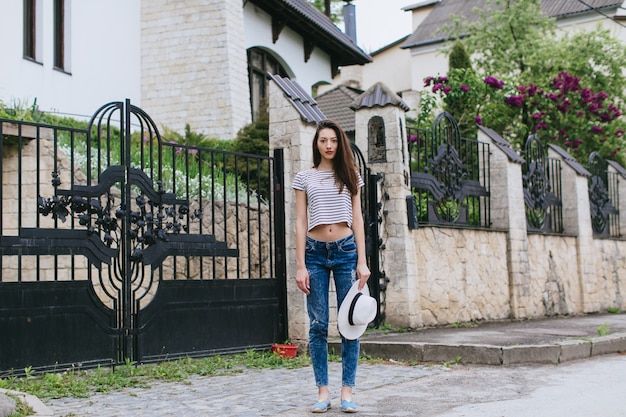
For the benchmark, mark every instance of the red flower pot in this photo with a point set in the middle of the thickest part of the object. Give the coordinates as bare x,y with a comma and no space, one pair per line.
284,350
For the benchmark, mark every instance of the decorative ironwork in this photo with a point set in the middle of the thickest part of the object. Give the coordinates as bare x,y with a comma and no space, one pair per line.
600,204
154,220
446,173
371,208
539,198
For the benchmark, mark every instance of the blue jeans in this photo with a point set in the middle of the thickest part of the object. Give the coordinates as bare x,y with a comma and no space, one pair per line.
321,258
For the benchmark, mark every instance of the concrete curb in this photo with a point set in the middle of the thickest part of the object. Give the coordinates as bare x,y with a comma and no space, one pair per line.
483,354
39,408
7,405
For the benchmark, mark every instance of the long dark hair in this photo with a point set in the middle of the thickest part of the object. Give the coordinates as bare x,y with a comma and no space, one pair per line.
343,162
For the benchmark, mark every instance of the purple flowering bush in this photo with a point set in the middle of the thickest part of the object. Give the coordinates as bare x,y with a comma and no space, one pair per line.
563,112
481,98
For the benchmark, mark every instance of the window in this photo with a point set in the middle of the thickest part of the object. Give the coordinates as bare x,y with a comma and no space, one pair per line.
376,139
59,34
33,45
260,62
30,29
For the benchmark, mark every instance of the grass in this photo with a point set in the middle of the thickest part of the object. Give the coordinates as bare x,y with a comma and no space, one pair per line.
84,383
451,363
603,329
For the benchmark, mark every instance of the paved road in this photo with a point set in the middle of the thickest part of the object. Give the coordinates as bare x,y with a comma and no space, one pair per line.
587,388
252,393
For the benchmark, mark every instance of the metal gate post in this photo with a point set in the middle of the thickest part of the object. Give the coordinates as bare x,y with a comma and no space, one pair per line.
126,244
279,239
374,281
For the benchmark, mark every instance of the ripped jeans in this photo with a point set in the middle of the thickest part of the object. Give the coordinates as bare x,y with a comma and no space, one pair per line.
321,258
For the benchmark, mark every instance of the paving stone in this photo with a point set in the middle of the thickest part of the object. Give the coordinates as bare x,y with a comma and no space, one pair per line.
251,393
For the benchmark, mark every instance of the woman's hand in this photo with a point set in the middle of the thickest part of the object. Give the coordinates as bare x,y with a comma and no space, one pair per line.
363,273
302,280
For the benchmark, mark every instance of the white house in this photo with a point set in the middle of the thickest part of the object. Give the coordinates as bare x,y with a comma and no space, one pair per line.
403,64
196,62
70,56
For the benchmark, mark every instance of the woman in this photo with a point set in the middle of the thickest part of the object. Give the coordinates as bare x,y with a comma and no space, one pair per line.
330,236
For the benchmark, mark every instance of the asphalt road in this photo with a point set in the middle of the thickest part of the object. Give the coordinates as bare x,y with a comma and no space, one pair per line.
587,388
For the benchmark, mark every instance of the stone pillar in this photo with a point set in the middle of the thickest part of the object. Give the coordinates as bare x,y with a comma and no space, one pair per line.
577,221
508,213
288,131
386,152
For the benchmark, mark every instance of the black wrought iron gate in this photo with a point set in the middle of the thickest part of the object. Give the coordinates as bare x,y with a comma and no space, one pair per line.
117,245
371,215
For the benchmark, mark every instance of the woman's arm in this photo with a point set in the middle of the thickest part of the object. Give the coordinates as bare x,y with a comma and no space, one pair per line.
358,229
302,274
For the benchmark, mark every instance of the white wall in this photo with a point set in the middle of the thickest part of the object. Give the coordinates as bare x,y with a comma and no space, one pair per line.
104,57
428,61
393,66
590,22
288,48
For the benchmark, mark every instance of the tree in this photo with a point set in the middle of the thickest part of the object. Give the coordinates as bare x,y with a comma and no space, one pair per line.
457,105
510,39
331,8
527,80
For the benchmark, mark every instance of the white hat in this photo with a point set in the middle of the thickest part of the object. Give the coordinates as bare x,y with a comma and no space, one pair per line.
357,310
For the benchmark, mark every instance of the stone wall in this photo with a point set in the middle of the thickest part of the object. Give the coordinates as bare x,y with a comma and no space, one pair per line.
445,275
554,271
287,131
463,276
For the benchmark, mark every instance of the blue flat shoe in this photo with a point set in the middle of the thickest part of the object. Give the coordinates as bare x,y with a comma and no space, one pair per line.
348,406
320,407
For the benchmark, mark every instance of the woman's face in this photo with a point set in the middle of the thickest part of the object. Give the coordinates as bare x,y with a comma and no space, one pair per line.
327,143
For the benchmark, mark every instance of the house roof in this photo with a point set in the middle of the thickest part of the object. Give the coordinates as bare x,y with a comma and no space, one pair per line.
305,104
389,46
336,104
315,28
428,32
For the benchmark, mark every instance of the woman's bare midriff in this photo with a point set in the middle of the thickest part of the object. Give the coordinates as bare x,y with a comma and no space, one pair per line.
330,232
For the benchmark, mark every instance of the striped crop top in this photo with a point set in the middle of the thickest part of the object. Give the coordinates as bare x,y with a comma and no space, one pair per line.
326,205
